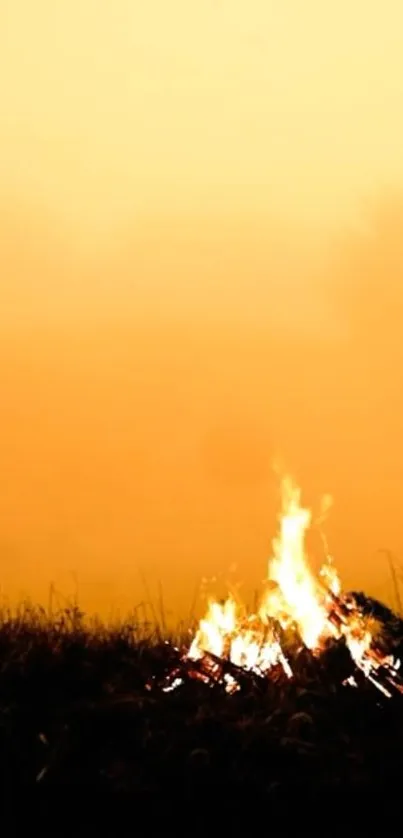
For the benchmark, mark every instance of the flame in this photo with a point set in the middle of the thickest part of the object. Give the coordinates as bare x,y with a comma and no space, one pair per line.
313,607
247,642
298,599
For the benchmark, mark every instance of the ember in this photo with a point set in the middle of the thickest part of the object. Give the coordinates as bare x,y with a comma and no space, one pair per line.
231,645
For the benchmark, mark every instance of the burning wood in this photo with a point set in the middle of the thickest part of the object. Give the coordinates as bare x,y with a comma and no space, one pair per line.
231,646
381,670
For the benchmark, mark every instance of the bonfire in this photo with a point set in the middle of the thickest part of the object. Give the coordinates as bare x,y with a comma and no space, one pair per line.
231,645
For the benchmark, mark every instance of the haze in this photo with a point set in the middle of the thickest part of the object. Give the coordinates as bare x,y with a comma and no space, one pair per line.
201,256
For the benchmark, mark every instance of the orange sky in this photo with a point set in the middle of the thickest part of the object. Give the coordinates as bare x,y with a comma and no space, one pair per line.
200,268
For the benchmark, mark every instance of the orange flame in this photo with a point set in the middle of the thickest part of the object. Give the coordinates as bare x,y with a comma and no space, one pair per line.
296,598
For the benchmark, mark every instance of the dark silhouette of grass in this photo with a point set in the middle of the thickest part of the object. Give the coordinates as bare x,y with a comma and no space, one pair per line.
80,727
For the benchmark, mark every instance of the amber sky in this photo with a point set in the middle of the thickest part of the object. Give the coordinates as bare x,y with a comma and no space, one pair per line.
200,263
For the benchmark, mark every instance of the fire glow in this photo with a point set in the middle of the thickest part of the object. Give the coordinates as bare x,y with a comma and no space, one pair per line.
313,608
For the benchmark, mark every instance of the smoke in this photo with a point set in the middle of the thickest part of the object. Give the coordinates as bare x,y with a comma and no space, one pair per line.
148,387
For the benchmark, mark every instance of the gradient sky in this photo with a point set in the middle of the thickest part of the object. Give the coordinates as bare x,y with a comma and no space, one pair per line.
200,263
110,109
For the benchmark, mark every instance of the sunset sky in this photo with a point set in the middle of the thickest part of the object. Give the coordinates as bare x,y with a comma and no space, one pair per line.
201,255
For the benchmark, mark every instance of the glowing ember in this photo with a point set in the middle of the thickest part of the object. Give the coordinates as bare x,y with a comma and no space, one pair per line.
295,599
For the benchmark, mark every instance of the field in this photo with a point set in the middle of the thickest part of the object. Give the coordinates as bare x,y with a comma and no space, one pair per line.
84,720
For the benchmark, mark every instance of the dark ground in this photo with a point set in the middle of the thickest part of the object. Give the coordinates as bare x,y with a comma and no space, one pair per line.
86,748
